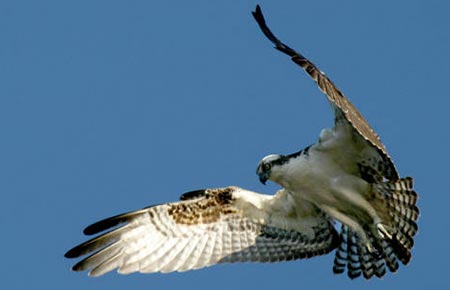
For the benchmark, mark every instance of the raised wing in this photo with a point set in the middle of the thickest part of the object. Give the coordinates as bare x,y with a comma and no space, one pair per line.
343,108
207,227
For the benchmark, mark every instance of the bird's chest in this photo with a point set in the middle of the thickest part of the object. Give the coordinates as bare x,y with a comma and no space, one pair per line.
313,178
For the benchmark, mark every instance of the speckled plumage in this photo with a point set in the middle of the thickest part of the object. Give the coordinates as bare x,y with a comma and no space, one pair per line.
222,225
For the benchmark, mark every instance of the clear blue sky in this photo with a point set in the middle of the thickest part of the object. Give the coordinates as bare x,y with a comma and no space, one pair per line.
110,106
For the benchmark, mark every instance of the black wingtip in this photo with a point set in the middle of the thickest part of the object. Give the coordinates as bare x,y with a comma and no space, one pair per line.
259,17
94,229
113,221
106,224
99,226
258,13
72,253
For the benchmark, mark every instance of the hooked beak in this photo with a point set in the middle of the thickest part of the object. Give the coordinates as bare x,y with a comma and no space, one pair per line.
263,177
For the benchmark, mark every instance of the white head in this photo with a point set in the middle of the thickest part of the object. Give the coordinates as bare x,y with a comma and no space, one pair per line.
271,167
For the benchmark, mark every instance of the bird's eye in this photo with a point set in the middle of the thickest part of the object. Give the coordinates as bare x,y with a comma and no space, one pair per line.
266,166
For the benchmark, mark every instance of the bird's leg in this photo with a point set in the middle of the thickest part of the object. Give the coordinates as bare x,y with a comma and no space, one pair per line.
354,192
383,230
352,224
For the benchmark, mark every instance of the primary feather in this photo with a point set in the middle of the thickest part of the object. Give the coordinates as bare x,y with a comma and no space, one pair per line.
223,225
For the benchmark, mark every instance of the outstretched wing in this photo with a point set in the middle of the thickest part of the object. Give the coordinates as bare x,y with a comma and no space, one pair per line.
206,227
345,112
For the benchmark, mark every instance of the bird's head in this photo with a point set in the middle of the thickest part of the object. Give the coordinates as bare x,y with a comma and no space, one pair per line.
269,167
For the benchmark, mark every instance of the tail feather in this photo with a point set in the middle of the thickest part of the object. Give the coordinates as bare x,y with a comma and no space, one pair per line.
403,253
405,240
390,256
400,198
368,263
408,227
400,201
354,255
405,211
353,266
402,191
340,259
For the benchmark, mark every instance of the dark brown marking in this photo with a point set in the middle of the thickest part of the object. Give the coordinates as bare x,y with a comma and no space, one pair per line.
215,202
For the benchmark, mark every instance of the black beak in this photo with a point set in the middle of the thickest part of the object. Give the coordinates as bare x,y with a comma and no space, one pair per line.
263,178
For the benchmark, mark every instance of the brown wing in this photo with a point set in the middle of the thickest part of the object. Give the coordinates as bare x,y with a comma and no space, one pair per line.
343,108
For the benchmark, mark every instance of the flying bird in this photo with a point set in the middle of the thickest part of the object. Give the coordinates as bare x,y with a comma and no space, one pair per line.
347,176
350,176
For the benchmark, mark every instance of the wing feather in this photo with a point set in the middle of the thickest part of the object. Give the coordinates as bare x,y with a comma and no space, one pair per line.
345,112
183,255
106,265
220,226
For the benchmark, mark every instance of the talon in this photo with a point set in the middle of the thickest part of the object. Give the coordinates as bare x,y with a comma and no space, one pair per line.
371,248
383,231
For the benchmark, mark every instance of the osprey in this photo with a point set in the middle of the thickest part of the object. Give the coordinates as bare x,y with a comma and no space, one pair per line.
347,176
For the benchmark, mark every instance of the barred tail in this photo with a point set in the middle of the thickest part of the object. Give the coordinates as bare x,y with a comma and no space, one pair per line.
400,199
392,240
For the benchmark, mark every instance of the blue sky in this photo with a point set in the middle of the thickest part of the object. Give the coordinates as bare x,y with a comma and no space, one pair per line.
110,106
